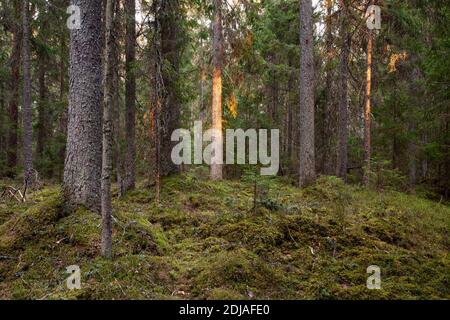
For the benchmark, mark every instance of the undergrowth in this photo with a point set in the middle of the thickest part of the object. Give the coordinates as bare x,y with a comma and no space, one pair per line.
205,241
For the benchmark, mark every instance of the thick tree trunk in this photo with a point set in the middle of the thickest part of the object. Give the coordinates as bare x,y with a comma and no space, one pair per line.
307,152
82,171
108,105
13,112
27,125
368,111
216,110
342,154
328,150
130,95
170,108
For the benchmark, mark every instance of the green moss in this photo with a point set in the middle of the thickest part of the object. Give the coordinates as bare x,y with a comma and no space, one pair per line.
205,242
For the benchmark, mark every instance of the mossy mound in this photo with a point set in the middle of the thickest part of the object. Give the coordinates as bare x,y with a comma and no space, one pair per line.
206,241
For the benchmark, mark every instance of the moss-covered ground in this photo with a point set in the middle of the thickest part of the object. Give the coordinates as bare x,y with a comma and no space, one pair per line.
205,242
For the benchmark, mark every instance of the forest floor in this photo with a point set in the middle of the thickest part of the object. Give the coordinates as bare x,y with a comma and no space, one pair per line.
206,242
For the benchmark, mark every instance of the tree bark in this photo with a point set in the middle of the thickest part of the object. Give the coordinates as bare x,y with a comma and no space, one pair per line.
13,110
82,171
170,104
117,121
43,114
368,111
342,154
27,125
108,105
216,110
307,153
328,152
130,95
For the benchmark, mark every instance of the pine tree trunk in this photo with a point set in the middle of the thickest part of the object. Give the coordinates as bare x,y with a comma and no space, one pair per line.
27,125
13,110
82,171
170,107
62,121
342,155
117,122
328,150
2,125
368,111
108,105
216,111
307,153
130,95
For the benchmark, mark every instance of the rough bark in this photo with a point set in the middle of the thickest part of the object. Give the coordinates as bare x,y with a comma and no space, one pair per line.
342,154
43,121
170,104
216,110
368,111
117,116
82,171
43,114
13,110
130,95
307,153
108,105
26,116
2,122
328,150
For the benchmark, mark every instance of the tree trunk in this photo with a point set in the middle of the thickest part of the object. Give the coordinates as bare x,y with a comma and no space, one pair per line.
216,110
62,121
130,95
342,154
2,126
43,114
13,111
27,125
307,152
368,111
117,122
43,127
328,150
108,105
170,104
82,171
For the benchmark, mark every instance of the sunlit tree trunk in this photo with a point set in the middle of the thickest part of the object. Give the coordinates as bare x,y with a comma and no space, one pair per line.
216,168
368,111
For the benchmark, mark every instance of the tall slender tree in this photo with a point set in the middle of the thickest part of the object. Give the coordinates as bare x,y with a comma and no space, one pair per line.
328,150
130,95
342,154
216,111
368,110
307,152
170,20
108,105
13,109
27,120
82,170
